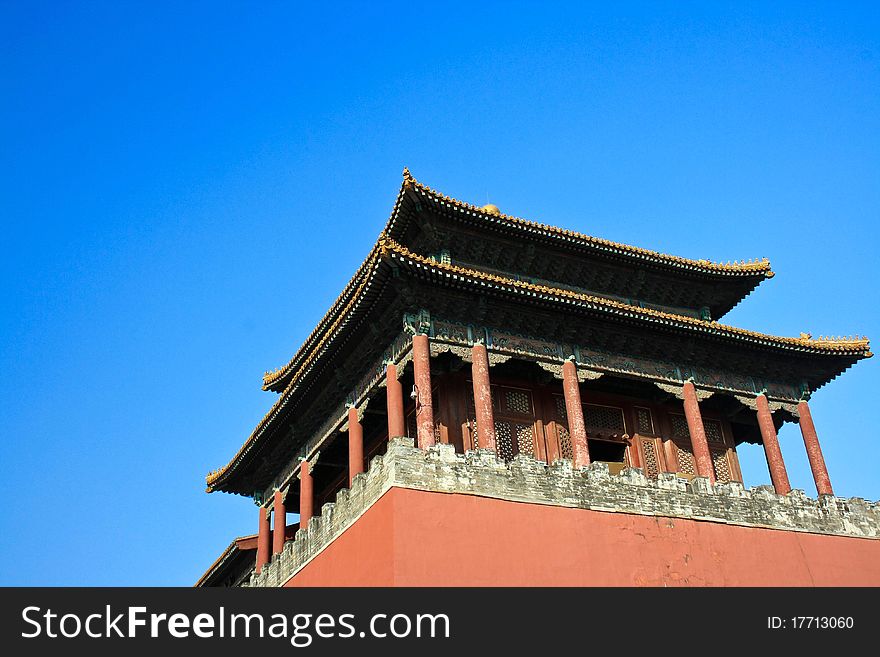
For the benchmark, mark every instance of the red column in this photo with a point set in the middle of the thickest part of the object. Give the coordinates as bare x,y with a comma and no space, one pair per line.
355,445
576,428
700,447
263,539
306,499
424,402
396,423
280,514
771,447
483,398
814,452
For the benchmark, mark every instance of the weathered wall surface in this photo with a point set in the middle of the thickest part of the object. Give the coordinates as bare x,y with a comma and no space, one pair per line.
433,517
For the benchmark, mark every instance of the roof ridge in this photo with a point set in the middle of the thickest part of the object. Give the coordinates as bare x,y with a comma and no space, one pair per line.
758,265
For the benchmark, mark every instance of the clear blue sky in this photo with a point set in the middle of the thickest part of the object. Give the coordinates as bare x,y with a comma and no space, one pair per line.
187,186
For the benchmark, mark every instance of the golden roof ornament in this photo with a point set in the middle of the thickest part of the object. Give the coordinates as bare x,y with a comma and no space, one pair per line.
491,208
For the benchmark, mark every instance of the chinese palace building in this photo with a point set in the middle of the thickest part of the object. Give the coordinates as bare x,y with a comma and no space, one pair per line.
492,401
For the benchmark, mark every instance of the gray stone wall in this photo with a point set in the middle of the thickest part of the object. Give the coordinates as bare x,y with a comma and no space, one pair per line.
440,469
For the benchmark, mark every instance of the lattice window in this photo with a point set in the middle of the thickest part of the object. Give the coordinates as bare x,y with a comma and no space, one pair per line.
713,431
513,439
722,465
504,440
525,439
679,426
565,450
505,400
651,463
518,401
560,408
686,462
644,421
711,427
604,418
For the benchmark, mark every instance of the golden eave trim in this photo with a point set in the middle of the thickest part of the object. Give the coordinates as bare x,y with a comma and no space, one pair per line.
823,344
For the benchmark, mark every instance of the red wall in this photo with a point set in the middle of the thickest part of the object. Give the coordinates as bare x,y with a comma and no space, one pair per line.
414,538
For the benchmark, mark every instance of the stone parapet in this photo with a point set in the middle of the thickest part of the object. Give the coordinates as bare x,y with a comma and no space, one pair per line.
524,479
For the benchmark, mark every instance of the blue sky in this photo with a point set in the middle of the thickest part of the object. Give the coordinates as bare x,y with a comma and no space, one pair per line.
186,187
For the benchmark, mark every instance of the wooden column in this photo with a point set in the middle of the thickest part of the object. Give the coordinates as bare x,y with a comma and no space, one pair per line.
280,514
814,452
424,399
778,475
699,445
263,539
396,422
483,398
355,445
577,429
306,494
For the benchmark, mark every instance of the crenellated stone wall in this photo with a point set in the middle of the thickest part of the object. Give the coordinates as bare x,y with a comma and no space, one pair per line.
481,473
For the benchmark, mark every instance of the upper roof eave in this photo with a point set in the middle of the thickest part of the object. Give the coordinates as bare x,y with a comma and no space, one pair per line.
758,269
